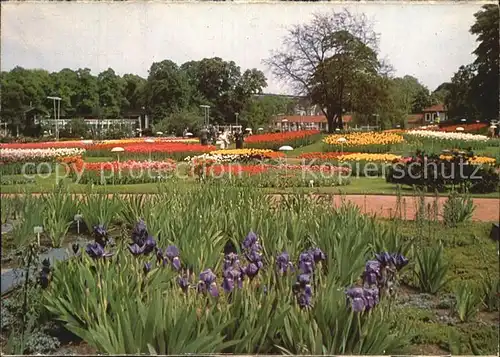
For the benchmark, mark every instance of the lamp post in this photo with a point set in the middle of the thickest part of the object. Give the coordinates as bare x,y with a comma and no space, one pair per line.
57,114
236,115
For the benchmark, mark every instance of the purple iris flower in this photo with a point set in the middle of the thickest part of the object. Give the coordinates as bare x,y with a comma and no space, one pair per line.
149,245
147,268
317,254
228,284
251,242
304,279
304,300
385,259
357,298
362,299
306,263
100,235
372,272
140,233
207,277
183,283
400,261
231,260
136,249
283,263
172,254
251,270
95,250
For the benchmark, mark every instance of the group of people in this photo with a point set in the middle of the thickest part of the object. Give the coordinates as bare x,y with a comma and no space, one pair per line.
210,136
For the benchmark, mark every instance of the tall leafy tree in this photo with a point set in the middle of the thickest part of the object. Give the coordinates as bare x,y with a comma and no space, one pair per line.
327,59
110,92
166,91
221,85
485,82
460,99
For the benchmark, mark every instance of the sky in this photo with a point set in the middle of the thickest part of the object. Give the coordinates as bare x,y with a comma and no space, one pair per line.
427,41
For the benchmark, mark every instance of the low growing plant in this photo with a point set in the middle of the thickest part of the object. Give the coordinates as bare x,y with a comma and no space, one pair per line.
467,302
457,209
431,269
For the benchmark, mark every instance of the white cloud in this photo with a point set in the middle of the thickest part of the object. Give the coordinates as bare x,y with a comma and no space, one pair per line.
427,41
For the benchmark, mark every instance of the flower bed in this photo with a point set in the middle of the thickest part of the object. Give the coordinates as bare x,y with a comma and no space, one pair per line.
107,144
122,173
467,128
238,155
439,173
368,142
439,140
32,161
278,176
274,141
152,151
360,164
202,284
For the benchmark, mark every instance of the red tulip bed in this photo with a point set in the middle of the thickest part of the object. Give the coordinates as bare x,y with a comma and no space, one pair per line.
236,174
274,141
266,175
152,151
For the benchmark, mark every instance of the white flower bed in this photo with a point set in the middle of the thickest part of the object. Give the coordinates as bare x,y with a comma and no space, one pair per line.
24,155
440,135
215,157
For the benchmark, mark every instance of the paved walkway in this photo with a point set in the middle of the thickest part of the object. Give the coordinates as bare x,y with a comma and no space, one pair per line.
487,209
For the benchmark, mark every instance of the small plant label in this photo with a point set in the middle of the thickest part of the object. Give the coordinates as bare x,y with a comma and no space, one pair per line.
38,230
78,218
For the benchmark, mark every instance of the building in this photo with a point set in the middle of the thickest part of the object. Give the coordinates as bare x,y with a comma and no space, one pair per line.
429,115
305,122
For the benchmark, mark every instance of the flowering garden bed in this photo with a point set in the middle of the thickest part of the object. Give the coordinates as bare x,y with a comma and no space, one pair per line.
274,141
204,284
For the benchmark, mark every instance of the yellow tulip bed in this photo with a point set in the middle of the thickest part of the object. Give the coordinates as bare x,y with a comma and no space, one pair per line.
368,157
367,142
476,160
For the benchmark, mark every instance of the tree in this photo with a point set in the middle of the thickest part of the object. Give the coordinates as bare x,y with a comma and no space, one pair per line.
259,111
221,85
166,91
484,85
421,101
326,59
87,93
460,100
176,122
110,91
440,93
133,91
